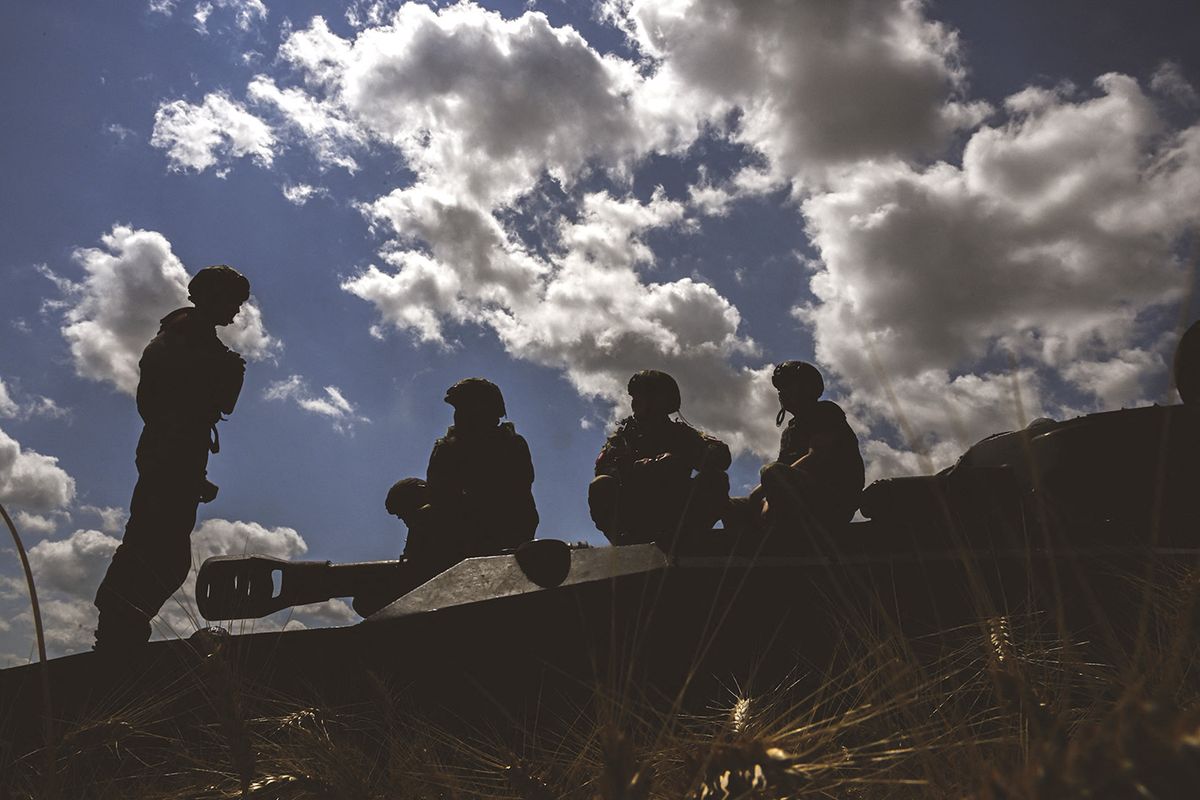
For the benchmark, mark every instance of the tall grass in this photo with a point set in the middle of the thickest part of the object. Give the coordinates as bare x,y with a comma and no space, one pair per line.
1003,709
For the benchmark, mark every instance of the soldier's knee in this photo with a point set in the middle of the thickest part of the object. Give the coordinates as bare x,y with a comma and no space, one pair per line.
713,482
602,500
773,475
603,488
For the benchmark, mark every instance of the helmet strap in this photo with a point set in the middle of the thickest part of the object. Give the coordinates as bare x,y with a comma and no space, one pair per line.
779,416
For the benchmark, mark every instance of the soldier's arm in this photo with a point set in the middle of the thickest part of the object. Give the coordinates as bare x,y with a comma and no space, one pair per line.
228,386
442,476
523,463
716,454
824,440
612,456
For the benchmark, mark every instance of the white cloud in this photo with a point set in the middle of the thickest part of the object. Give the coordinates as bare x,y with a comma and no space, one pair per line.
119,131
1120,380
452,90
245,13
131,283
164,7
817,88
201,14
35,406
300,193
74,565
1048,245
331,404
197,137
37,524
819,85
943,271
112,520
8,408
32,481
321,123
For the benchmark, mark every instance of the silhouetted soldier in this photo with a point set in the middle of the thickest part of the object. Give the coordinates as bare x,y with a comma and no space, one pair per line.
818,477
477,498
644,490
188,380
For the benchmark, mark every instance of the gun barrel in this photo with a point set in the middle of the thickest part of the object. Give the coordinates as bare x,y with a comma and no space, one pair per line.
250,587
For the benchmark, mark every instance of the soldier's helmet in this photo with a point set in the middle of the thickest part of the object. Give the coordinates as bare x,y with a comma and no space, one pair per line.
477,394
219,281
801,376
406,496
660,387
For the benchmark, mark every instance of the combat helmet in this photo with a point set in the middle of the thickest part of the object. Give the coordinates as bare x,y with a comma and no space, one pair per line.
659,385
801,376
479,394
219,280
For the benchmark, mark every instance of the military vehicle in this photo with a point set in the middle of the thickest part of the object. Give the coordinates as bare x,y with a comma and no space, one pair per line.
1053,515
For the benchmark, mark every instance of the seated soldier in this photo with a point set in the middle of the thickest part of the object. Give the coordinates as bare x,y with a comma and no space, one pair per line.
644,490
477,498
815,483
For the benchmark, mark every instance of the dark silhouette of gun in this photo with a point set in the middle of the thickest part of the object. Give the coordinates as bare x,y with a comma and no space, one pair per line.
250,587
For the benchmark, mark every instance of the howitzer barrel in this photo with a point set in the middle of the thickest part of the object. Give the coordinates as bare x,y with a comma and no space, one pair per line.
249,587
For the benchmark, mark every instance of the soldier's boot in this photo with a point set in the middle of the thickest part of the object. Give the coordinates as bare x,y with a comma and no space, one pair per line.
121,628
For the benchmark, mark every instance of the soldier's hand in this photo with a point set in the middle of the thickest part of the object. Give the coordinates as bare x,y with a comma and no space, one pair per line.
208,491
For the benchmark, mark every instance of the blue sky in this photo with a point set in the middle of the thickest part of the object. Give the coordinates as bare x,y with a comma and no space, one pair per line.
951,196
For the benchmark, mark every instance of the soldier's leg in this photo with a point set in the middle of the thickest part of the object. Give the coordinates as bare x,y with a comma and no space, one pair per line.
150,564
787,510
798,513
709,500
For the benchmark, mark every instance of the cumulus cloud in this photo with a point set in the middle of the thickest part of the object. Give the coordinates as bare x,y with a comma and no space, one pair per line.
1049,245
31,481
130,284
38,524
74,565
450,89
934,277
587,311
331,404
814,88
321,123
818,86
197,137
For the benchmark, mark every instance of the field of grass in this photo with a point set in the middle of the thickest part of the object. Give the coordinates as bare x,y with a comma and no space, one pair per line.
1013,707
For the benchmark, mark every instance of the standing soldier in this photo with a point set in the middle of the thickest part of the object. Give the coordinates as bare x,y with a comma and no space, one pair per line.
188,381
819,474
644,490
477,498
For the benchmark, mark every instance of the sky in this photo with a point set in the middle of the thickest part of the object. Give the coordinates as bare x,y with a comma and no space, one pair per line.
968,214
